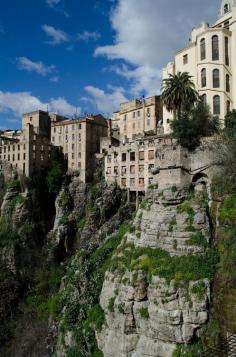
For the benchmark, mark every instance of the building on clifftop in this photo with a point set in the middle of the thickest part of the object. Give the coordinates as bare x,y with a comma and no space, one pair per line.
210,58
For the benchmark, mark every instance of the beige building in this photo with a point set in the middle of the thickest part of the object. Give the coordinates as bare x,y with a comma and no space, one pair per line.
27,151
157,161
80,140
137,117
210,58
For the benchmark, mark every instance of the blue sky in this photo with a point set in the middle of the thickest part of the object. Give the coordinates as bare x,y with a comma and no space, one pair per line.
88,56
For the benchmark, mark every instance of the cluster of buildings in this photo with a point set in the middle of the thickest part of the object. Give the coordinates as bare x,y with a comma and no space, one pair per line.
135,144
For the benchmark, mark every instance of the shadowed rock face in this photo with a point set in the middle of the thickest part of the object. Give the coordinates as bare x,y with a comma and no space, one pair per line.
151,315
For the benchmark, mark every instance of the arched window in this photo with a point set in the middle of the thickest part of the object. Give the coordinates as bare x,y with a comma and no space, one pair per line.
216,78
227,84
215,48
226,51
216,105
226,8
203,77
204,99
203,48
228,106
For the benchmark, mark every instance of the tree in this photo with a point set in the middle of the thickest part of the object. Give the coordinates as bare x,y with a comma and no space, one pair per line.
230,124
179,93
194,124
55,178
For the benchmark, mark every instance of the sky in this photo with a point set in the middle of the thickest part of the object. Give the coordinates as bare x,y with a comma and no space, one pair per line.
78,57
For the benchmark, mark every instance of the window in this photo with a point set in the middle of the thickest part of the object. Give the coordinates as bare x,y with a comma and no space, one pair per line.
216,78
132,156
141,155
150,167
132,182
108,170
141,169
132,169
54,130
148,112
203,77
123,157
185,59
227,51
72,146
138,113
123,182
133,125
215,48
123,170
141,182
125,117
150,154
72,156
133,114
109,158
228,106
79,126
227,84
116,172
73,136
226,8
203,48
216,105
204,99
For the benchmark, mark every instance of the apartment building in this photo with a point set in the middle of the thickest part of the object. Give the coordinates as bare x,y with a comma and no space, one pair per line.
143,162
30,150
137,117
80,140
210,58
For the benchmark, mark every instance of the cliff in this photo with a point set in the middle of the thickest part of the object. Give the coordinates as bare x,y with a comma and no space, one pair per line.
95,277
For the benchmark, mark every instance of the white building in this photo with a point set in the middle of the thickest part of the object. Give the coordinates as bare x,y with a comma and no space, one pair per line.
210,58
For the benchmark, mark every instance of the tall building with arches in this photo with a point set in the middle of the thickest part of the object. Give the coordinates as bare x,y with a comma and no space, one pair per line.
210,58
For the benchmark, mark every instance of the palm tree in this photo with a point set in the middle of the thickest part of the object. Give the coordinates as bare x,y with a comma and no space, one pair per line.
178,93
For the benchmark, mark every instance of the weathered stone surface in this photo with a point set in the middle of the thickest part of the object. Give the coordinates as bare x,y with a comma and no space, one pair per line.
151,316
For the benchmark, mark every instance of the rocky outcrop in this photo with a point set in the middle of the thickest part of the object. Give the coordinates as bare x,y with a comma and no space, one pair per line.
147,315
168,221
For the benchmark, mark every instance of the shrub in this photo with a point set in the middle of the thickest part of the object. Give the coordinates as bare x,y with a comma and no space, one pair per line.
144,313
82,223
111,304
197,239
96,317
55,177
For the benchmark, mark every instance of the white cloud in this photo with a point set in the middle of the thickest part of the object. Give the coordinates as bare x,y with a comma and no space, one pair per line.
105,102
56,36
22,102
86,36
61,106
148,33
39,67
52,3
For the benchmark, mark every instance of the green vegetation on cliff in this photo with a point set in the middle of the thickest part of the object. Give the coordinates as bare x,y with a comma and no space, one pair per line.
79,303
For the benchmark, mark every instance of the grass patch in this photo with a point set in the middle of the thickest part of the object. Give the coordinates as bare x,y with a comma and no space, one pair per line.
159,262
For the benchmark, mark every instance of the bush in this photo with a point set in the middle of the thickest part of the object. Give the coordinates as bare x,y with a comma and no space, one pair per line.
197,239
96,317
144,313
191,126
55,178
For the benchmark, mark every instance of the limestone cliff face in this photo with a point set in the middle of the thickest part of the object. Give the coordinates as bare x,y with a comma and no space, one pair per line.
147,314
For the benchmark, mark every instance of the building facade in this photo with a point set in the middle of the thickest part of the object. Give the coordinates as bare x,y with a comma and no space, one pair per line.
210,58
137,117
79,140
30,150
